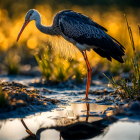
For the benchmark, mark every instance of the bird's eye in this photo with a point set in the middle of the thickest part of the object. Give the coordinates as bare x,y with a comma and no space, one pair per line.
30,14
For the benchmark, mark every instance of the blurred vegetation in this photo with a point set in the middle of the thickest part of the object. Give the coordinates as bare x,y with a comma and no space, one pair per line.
78,75
57,68
132,89
107,13
11,63
45,62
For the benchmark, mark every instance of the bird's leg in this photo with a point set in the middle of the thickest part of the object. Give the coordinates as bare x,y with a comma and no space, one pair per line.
89,75
89,70
87,104
28,131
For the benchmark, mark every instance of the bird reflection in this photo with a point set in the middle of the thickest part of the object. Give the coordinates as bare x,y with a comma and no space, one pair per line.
77,130
32,136
87,116
81,130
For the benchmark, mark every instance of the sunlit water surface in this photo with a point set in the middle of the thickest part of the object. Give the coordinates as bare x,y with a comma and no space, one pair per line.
12,129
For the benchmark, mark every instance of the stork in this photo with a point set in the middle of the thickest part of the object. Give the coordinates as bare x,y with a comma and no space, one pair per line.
82,32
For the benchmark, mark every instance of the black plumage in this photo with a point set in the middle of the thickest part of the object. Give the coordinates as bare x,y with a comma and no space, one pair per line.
85,31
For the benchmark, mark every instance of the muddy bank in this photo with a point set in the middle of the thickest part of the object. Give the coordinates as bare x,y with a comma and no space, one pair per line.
21,99
18,99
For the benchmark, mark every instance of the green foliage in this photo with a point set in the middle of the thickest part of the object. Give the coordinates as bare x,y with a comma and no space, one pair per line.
54,67
61,73
127,91
45,64
112,81
11,63
78,75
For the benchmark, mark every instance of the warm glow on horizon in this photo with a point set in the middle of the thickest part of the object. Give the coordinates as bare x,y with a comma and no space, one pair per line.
114,22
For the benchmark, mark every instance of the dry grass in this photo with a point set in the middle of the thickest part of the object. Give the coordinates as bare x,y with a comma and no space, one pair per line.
112,19
125,89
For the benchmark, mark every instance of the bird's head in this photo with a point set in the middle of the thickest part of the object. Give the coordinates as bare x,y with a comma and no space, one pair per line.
31,15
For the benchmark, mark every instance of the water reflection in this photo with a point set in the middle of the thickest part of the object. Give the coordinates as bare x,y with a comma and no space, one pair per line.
78,130
75,121
83,130
31,135
74,128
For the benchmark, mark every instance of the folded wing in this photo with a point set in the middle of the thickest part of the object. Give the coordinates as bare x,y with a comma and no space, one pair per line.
85,31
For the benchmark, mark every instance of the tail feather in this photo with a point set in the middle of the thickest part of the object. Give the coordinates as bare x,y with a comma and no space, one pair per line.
119,50
114,49
119,44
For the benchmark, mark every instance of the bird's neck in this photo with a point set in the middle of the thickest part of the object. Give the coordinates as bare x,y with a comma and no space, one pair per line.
45,29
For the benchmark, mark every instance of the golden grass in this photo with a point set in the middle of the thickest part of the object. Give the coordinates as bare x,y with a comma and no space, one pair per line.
123,88
112,19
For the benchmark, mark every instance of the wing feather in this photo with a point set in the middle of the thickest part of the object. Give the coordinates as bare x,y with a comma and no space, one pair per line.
85,31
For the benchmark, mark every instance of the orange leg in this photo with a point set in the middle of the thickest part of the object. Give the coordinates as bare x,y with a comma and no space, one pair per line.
89,70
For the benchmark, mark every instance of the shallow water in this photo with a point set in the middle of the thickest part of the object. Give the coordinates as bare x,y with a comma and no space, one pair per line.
66,94
27,80
70,110
12,129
